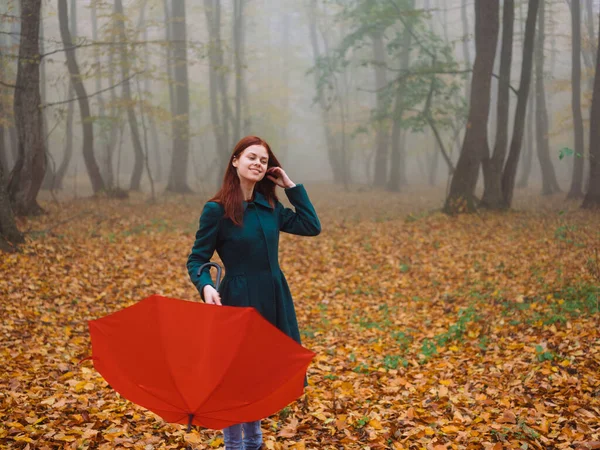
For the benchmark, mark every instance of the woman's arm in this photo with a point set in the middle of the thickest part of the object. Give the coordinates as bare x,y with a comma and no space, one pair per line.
304,221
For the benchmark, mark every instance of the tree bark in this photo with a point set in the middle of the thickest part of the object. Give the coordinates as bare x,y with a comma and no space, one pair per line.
3,113
219,106
465,45
238,56
104,124
84,105
510,168
528,150
461,197
492,167
592,196
382,139
26,177
549,183
590,52
50,176
576,189
9,233
138,166
181,121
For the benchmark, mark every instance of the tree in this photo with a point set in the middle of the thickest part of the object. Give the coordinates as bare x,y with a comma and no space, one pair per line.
382,139
9,233
3,114
181,119
397,175
492,167
510,168
54,180
576,189
84,105
238,58
220,109
592,197
28,173
462,189
527,154
104,124
138,166
324,63
549,182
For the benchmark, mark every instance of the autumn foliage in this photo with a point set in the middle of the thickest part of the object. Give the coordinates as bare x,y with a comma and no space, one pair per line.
431,332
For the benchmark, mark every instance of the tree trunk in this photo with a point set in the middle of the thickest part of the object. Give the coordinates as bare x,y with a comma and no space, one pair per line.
492,167
48,182
58,181
138,166
84,105
527,155
549,183
151,119
510,168
462,189
397,166
104,124
3,112
466,38
238,55
26,177
333,151
382,139
220,110
589,54
592,197
9,233
181,121
169,60
12,41
576,189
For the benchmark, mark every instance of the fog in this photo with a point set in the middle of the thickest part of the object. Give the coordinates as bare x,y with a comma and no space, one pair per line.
278,86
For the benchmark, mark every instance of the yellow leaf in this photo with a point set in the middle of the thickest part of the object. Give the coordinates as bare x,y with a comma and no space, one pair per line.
217,442
450,429
375,424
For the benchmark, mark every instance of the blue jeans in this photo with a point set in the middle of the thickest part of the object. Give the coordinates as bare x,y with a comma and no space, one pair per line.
244,436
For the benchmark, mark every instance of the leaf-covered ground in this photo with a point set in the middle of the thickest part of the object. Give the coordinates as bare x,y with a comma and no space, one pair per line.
432,332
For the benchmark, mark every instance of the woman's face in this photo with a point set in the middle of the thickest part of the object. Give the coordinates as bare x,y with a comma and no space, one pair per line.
252,163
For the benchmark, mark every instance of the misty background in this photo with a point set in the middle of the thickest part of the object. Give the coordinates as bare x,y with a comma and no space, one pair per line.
305,75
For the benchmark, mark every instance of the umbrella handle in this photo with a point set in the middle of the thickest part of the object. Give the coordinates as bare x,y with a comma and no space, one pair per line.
209,265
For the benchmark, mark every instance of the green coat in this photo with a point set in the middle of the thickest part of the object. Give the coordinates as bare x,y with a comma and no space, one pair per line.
250,254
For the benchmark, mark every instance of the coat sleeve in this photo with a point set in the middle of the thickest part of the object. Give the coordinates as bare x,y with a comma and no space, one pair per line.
204,245
304,221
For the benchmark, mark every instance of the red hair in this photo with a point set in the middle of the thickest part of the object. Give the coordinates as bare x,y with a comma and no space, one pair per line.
230,195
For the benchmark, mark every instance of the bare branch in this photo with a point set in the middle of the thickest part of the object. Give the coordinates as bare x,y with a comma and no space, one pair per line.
13,86
94,94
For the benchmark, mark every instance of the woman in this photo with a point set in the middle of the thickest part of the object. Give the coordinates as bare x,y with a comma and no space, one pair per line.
242,223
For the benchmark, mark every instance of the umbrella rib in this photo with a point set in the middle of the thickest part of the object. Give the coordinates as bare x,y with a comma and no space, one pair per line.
164,352
234,356
237,406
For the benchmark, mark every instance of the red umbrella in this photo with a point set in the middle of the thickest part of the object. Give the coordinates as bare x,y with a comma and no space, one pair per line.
193,363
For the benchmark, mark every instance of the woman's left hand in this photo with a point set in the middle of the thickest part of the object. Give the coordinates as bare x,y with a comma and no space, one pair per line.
278,176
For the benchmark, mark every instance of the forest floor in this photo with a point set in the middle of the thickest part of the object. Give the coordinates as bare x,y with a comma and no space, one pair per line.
431,332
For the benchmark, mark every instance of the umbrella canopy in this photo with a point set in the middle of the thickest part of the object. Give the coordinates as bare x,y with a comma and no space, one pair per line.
193,363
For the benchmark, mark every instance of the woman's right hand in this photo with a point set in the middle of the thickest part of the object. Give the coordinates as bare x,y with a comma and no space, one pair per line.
211,296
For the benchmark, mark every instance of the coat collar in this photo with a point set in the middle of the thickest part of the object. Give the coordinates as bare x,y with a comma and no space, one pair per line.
259,199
